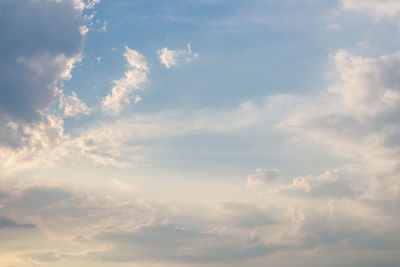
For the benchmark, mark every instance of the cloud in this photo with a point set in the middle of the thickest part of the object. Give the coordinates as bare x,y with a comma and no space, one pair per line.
37,197
334,27
347,117
377,8
357,118
171,58
328,212
162,238
123,187
169,242
42,42
329,184
261,177
65,220
85,4
118,142
123,89
9,223
77,211
346,210
33,139
358,114
104,27
49,256
91,3
246,215
73,106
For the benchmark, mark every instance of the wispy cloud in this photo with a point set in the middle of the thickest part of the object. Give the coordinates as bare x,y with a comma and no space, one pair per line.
123,89
171,58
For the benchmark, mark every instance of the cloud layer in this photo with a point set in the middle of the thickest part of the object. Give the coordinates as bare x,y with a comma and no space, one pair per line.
91,191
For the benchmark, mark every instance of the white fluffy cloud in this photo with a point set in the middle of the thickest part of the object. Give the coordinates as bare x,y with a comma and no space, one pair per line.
171,58
357,117
135,77
73,106
359,113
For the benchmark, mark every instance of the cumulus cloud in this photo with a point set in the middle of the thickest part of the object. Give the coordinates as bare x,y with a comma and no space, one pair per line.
171,58
357,118
33,139
358,115
43,41
123,89
367,86
325,212
36,54
73,106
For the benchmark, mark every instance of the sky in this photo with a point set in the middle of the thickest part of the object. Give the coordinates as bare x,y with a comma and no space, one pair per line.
199,133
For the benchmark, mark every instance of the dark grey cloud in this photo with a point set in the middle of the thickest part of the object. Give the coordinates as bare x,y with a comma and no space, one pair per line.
39,41
41,203
9,223
36,197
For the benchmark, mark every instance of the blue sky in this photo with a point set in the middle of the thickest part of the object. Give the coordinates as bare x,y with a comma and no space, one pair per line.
199,133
